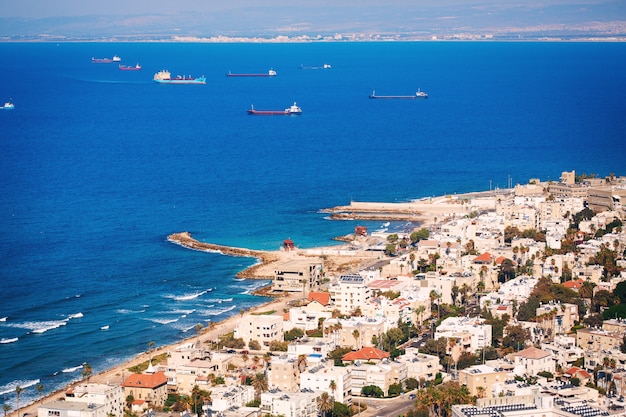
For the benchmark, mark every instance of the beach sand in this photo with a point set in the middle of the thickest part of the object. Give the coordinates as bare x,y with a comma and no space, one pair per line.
428,212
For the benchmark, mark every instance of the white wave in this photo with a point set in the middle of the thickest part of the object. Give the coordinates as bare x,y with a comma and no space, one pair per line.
193,296
127,311
39,327
75,316
219,300
4,341
10,387
3,319
163,321
218,312
184,312
74,369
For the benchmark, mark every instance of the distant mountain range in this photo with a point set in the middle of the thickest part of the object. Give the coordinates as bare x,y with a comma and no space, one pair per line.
603,19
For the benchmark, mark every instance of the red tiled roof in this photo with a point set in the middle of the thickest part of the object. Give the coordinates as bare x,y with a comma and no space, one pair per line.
146,380
500,259
485,257
574,285
365,354
532,353
321,297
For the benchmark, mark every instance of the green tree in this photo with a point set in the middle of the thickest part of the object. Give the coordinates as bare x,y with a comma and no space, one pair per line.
395,390
260,384
372,391
87,371
411,383
325,403
254,345
438,399
293,334
420,234
39,388
6,408
341,410
516,337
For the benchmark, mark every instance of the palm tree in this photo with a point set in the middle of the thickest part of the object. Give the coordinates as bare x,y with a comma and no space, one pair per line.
87,371
302,363
245,358
267,358
260,384
18,391
150,347
356,334
198,332
332,386
325,403
6,408
256,360
39,389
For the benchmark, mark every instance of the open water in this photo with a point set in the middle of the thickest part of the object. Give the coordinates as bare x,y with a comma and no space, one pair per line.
98,166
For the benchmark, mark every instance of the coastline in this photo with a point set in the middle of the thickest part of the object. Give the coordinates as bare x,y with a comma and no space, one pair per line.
261,270
117,373
429,211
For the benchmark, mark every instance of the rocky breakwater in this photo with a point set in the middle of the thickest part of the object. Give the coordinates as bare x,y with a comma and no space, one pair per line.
422,211
258,271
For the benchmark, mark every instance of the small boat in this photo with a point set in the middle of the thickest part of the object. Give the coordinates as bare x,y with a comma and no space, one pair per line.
325,66
418,94
106,60
164,77
270,73
104,327
129,68
294,110
8,106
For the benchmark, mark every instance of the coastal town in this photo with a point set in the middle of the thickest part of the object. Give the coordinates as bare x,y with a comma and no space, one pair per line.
500,303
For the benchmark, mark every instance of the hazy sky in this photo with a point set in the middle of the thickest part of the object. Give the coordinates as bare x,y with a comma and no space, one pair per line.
56,8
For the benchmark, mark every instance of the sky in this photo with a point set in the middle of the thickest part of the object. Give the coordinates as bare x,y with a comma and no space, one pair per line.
58,8
202,18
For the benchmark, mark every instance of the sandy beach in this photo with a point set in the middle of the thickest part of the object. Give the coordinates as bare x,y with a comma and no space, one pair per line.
426,211
262,270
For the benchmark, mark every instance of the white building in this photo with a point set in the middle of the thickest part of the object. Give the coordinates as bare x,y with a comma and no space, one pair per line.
224,397
455,327
419,365
108,395
531,361
60,408
262,328
319,378
563,350
290,404
350,293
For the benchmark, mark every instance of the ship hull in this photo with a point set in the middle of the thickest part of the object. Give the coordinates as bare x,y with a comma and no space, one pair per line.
182,81
271,113
397,97
249,75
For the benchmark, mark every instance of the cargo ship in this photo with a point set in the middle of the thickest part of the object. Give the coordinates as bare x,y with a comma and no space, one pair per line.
294,110
164,77
270,73
128,68
106,60
418,94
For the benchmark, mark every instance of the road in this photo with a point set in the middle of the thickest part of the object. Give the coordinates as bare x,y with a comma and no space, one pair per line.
387,407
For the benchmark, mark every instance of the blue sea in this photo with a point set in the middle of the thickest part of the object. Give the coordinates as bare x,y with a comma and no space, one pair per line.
99,166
